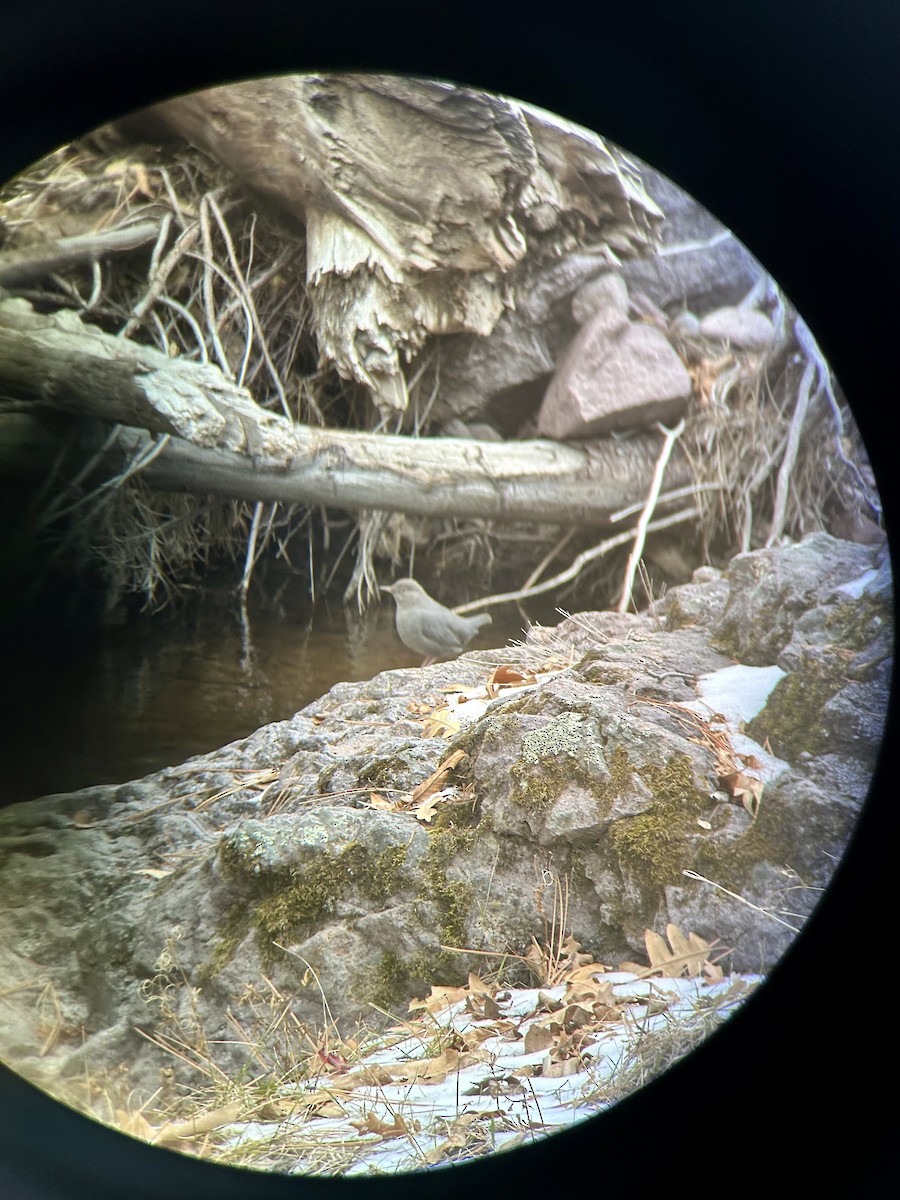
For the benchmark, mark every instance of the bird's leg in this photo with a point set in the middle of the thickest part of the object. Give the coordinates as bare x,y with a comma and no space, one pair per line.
426,662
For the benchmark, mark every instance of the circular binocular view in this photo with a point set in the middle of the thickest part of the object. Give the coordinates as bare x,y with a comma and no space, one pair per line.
458,617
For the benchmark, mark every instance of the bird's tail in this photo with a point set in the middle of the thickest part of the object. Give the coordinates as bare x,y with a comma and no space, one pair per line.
482,619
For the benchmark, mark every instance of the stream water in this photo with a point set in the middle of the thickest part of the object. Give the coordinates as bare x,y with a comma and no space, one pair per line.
116,703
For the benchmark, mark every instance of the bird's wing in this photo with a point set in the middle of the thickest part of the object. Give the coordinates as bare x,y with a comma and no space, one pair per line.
443,634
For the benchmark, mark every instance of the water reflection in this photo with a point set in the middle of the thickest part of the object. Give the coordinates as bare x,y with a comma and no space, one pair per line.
118,703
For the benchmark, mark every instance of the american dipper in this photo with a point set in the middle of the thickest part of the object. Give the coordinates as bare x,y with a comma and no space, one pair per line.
429,628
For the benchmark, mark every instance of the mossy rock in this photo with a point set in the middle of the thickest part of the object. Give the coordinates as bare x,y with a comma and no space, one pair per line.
792,720
657,845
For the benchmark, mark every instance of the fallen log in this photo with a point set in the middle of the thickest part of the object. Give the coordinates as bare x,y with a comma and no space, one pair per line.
220,442
533,481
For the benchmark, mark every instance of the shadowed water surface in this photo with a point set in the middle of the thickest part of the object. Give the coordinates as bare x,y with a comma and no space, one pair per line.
118,703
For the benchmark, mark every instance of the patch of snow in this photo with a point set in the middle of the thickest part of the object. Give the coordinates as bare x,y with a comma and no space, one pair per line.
503,1100
737,692
854,588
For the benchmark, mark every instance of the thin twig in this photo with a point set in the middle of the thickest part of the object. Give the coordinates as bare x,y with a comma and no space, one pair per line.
159,278
783,487
548,558
810,348
141,460
250,557
209,300
670,436
765,912
250,308
690,489
188,317
586,556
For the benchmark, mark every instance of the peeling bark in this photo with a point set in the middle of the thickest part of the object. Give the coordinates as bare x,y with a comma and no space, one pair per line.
535,481
224,444
420,199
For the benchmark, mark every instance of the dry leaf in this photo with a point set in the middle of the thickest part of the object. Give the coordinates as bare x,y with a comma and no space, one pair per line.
712,972
751,761
135,1124
436,1070
439,999
174,1131
537,1038
426,810
506,676
574,1016
548,1002
586,972
371,1075
382,803
745,788
483,1008
680,955
558,1069
386,1129
441,723
437,780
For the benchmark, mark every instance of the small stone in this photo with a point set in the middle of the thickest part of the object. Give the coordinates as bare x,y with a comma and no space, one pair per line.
742,327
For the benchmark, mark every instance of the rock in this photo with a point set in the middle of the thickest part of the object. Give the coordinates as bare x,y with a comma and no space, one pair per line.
742,327
772,589
686,324
503,377
605,297
277,863
701,264
615,375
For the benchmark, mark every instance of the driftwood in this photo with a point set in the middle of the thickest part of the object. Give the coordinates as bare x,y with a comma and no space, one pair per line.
25,267
421,202
222,443
74,366
533,481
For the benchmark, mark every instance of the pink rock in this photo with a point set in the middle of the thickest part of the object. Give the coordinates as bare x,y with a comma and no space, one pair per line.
614,379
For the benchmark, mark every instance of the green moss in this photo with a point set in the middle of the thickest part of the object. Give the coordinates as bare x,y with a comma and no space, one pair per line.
856,624
439,966
564,754
732,864
654,845
452,897
384,773
292,901
792,717
391,982
235,929
618,779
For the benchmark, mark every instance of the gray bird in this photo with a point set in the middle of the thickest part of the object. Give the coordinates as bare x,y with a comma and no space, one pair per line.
427,627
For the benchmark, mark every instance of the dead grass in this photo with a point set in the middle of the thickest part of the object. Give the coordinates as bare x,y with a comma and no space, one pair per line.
313,1102
226,283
